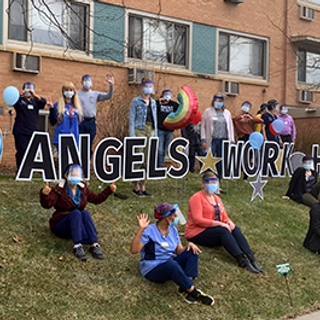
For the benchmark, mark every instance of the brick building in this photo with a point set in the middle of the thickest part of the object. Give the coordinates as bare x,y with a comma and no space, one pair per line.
251,49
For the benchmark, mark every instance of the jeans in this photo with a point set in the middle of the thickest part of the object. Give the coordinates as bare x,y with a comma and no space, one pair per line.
77,225
180,269
89,127
164,141
216,149
192,154
234,242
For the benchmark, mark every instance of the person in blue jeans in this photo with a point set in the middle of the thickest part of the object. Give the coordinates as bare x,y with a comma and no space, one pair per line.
88,100
163,257
165,105
192,133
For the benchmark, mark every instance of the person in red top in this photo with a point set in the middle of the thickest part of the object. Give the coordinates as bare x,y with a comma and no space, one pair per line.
71,220
209,225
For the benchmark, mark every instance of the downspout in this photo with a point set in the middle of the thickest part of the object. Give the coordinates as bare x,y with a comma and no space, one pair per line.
285,60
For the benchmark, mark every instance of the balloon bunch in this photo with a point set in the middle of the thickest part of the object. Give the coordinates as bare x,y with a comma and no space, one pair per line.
276,127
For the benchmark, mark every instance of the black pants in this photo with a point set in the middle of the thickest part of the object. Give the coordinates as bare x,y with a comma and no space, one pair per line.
21,143
287,138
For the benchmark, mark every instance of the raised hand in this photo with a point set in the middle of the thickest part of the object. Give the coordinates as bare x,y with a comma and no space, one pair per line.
113,187
49,102
110,79
143,221
46,190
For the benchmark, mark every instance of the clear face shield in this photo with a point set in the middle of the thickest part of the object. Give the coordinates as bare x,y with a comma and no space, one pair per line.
28,87
75,175
211,185
308,164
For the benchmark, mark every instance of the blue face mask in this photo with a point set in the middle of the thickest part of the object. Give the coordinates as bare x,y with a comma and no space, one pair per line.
73,181
68,94
218,105
27,94
307,166
211,188
174,223
87,84
147,90
167,97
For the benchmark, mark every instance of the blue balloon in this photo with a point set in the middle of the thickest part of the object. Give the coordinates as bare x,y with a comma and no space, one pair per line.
277,125
11,95
256,140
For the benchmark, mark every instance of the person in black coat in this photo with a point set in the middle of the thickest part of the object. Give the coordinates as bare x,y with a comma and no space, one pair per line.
312,240
303,186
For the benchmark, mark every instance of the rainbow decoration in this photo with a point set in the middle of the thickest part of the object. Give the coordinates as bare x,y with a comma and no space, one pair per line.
187,111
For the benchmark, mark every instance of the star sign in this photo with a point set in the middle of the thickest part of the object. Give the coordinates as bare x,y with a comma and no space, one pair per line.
209,162
258,186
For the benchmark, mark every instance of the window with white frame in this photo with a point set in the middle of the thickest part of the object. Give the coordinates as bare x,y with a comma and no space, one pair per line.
308,67
158,40
50,22
315,2
242,55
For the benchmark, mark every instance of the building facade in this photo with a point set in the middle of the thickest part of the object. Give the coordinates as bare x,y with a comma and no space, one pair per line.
250,50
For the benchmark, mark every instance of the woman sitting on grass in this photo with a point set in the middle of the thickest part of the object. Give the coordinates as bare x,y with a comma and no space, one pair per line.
209,225
312,240
70,220
303,186
163,257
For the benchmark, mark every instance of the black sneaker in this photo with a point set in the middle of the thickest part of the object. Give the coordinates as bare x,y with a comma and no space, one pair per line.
147,194
96,252
79,253
138,193
187,296
204,298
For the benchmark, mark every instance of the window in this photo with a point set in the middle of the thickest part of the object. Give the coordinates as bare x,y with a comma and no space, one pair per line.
315,2
54,22
242,55
161,41
308,67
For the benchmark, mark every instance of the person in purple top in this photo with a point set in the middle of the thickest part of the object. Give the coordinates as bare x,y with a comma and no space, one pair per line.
288,133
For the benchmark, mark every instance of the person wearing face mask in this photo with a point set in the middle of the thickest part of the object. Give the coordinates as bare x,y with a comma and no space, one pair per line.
303,186
26,121
88,100
288,133
143,123
244,125
268,118
163,257
67,112
262,110
71,220
209,225
165,105
216,126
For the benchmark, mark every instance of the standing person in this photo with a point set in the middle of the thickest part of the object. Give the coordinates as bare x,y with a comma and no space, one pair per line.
67,113
88,101
163,257
71,220
165,105
209,225
262,110
192,133
288,133
26,121
143,123
268,118
216,126
244,125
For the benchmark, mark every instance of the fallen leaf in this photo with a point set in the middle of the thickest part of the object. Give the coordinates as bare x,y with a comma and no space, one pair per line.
4,261
277,225
61,258
17,239
5,192
292,244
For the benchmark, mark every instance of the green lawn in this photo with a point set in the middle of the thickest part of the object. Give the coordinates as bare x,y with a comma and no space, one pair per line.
41,279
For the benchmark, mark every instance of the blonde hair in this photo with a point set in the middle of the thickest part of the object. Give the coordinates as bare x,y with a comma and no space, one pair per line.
62,103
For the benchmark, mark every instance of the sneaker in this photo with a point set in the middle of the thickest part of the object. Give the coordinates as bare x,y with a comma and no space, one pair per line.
79,253
138,193
204,298
96,252
146,193
187,296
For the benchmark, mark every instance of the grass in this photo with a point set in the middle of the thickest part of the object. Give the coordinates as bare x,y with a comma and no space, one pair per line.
41,279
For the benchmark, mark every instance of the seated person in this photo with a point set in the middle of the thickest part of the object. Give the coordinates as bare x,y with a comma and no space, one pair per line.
208,224
312,240
163,257
303,186
71,220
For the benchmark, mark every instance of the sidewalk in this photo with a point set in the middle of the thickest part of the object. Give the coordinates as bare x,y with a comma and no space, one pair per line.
310,316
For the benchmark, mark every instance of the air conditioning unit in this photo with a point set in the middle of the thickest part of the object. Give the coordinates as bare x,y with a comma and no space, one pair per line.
26,62
305,96
135,75
306,13
230,88
235,1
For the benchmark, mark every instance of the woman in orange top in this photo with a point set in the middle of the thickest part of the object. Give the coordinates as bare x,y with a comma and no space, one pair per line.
209,225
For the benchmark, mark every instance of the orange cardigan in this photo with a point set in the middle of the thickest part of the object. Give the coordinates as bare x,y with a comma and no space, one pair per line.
201,214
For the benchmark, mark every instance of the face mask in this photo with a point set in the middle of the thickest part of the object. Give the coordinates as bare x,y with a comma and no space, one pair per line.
284,111
308,166
147,90
275,109
167,97
211,187
245,109
74,181
27,94
174,223
68,94
218,105
87,84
